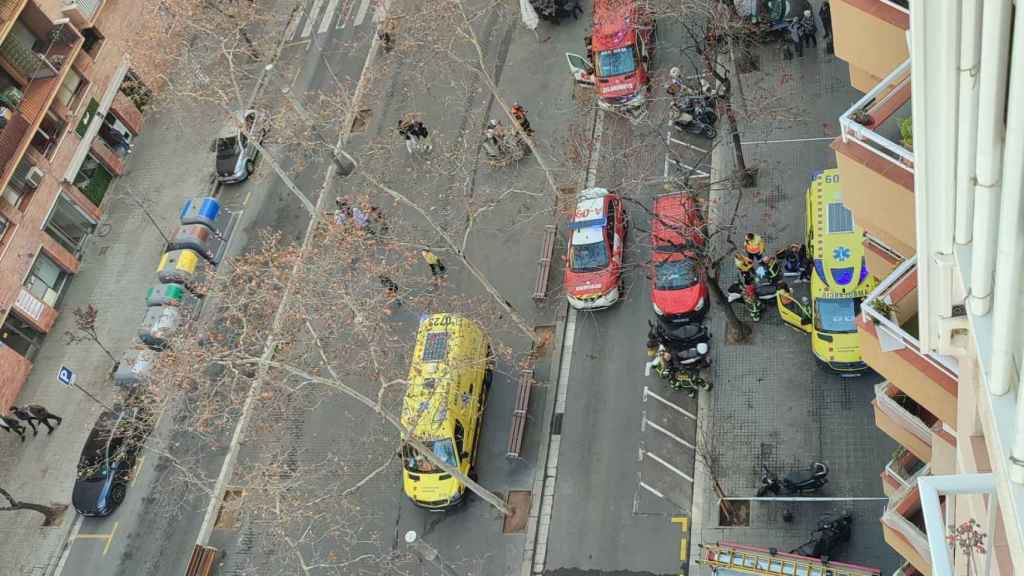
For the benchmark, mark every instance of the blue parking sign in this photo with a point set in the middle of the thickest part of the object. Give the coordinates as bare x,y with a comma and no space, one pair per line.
66,376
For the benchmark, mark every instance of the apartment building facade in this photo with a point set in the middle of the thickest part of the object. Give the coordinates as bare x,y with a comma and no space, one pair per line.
69,108
932,166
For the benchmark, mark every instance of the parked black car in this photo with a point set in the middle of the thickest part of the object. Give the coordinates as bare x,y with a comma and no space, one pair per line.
107,460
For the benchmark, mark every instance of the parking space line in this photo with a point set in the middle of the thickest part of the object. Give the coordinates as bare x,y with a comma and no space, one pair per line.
645,422
332,6
108,537
645,486
647,392
790,140
699,173
361,13
684,541
672,468
672,140
293,26
311,20
137,469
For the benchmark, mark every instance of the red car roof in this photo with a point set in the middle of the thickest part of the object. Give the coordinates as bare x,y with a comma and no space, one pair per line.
614,22
677,221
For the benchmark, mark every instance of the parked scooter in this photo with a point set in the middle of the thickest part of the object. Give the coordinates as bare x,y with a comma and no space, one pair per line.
676,336
502,146
690,122
796,482
833,531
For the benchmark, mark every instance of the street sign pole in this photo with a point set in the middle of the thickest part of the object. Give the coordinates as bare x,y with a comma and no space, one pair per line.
66,377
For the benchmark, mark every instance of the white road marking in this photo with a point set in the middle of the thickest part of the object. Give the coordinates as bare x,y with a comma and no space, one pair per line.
293,26
687,144
818,139
361,13
647,392
75,529
645,422
808,498
697,172
672,468
313,12
652,490
325,23
563,375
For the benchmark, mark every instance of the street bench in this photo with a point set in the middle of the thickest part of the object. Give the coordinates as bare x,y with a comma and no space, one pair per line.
540,289
201,563
519,415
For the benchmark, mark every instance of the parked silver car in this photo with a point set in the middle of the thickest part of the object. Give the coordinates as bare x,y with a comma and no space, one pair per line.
236,153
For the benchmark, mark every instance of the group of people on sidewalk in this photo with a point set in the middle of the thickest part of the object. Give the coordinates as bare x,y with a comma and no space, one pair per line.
32,414
803,32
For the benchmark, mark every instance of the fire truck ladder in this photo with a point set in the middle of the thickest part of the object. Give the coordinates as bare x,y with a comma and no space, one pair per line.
728,559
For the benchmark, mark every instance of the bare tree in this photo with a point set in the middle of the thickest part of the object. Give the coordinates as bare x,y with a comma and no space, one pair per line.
85,329
51,514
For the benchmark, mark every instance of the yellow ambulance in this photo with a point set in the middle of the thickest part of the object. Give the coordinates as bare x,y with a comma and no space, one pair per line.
443,408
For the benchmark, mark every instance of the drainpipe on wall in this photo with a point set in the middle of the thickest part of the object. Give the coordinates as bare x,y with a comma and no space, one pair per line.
967,137
995,52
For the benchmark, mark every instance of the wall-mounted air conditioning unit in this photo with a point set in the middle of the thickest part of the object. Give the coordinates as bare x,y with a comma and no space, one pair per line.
34,177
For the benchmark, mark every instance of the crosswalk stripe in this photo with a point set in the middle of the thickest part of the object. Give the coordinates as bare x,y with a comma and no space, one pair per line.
313,13
361,14
332,6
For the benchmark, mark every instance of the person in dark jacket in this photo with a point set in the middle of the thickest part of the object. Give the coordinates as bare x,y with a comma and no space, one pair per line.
825,15
12,425
33,413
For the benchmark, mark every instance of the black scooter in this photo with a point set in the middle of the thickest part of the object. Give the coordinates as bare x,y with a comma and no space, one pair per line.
832,532
797,482
676,337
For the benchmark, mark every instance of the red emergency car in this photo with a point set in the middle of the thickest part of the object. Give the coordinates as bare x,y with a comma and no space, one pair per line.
621,53
594,262
679,291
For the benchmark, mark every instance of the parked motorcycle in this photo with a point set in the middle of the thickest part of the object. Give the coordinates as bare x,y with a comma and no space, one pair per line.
691,121
501,146
833,531
796,482
676,336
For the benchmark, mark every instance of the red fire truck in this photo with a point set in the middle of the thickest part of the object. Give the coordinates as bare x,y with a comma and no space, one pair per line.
619,56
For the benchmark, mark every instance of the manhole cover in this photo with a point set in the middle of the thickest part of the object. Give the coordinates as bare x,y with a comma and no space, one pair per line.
518,502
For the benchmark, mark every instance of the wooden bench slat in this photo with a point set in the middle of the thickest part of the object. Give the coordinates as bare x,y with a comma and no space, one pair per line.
519,414
540,288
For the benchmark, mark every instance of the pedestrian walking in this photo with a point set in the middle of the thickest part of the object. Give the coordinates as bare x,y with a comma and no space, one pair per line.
33,413
437,269
795,41
390,289
519,113
808,29
386,33
12,425
405,131
825,15
421,136
378,224
347,213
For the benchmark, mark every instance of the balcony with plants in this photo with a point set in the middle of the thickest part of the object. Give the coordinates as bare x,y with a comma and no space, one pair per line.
34,59
889,343
875,157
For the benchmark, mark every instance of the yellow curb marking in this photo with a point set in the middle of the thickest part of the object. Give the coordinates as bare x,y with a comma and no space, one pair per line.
108,537
684,542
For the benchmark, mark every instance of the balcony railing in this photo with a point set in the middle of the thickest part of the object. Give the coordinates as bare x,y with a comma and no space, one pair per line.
903,516
29,63
892,336
910,419
88,8
906,475
881,103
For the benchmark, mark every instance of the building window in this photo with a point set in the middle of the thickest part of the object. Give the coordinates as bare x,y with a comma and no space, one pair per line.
69,225
20,337
92,41
19,188
71,90
46,280
93,179
116,135
48,135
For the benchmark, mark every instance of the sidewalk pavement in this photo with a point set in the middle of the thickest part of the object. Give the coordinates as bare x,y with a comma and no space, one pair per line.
770,403
171,161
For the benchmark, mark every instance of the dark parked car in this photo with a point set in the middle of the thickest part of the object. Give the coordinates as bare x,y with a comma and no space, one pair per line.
107,460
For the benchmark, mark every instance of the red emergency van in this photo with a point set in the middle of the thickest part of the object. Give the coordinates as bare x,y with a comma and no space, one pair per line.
620,54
